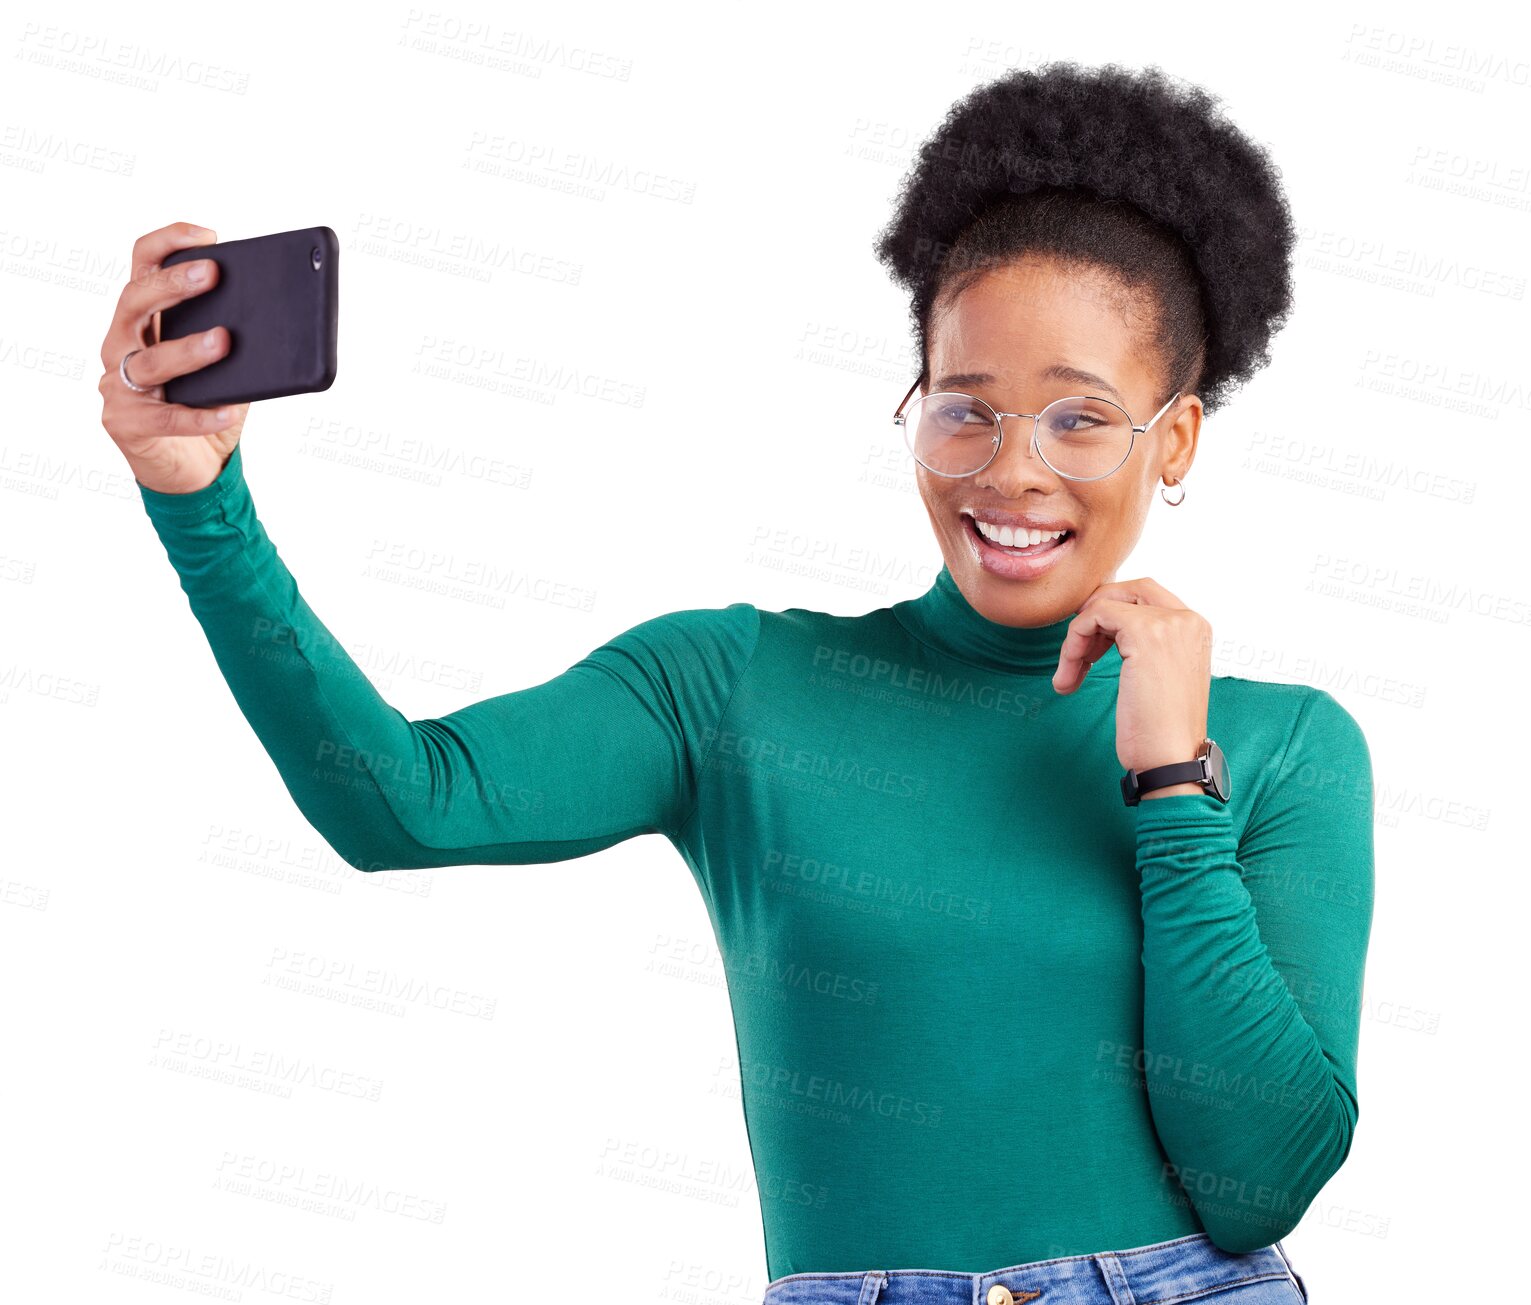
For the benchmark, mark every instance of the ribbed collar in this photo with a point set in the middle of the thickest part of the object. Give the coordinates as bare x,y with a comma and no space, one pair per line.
943,618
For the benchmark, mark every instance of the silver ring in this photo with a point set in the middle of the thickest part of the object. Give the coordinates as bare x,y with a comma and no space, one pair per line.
122,371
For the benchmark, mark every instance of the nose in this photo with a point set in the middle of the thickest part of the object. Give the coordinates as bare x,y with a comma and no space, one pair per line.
1016,467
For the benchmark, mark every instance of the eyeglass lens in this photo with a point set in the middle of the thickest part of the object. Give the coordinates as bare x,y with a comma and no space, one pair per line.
956,434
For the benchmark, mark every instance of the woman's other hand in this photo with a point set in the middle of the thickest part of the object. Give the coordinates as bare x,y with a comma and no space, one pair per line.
1166,675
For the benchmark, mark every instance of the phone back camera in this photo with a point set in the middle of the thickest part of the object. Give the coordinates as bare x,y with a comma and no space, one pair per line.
316,256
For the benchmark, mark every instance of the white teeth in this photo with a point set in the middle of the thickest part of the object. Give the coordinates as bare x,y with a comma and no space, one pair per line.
1006,537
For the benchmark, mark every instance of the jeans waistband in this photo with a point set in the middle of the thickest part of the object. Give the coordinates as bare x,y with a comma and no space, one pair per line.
1142,1275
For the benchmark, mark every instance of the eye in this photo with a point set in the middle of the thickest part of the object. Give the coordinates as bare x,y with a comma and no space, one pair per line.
1083,417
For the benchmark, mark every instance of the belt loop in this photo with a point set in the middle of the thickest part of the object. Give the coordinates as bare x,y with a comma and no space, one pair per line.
871,1287
1116,1280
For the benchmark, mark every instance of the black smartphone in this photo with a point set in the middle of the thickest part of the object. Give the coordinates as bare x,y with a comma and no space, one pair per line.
279,297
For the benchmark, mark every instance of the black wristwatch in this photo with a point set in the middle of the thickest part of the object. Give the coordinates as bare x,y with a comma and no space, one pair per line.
1209,769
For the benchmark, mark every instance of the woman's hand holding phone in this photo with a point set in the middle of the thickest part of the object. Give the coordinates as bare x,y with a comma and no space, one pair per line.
170,447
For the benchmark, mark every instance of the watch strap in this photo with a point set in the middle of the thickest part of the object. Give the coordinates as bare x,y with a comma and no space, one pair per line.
1177,772
1135,783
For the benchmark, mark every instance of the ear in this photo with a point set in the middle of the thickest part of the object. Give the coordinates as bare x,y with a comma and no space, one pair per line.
1178,439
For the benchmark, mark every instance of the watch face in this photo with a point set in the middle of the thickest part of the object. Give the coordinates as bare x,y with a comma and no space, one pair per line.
1217,769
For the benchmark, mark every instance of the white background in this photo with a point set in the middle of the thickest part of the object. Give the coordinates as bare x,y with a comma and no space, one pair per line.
676,205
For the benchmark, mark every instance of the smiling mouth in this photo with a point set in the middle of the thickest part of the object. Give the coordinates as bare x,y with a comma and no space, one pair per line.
1047,544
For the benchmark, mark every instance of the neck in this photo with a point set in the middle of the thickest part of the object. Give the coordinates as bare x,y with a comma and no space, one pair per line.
943,619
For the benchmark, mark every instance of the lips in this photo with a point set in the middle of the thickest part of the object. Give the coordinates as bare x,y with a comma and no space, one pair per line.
1017,564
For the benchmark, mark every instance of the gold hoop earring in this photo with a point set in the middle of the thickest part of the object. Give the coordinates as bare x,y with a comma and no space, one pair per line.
1173,502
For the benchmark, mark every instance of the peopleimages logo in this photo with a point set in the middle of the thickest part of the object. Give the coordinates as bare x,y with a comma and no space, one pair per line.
833,1094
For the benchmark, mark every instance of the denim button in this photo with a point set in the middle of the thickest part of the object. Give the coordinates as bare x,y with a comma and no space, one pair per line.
999,1294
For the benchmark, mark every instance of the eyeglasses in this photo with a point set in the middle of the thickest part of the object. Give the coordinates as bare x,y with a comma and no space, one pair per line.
1080,438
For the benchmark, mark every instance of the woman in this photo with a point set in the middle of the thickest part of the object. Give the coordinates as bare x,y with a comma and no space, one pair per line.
1023,1016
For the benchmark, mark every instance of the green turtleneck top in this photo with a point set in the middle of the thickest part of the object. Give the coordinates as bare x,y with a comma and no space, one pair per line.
985,1012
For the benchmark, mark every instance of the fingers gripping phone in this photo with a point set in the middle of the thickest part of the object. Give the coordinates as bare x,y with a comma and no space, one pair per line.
278,296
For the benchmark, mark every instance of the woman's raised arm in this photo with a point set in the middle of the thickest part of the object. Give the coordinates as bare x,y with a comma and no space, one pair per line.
610,748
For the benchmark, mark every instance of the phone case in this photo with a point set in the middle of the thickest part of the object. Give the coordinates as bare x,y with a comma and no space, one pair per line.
279,297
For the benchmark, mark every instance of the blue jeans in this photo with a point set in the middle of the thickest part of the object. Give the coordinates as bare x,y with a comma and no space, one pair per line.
1185,1269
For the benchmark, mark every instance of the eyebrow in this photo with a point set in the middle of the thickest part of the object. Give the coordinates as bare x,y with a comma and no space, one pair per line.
1057,372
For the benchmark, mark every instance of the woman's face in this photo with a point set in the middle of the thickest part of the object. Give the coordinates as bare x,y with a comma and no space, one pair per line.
1014,325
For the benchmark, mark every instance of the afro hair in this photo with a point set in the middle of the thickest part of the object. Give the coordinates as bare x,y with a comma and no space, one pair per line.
1129,171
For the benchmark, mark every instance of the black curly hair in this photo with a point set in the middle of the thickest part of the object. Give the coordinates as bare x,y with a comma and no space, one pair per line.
1128,171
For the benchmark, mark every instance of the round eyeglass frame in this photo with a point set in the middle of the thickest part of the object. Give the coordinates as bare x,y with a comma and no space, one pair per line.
1036,426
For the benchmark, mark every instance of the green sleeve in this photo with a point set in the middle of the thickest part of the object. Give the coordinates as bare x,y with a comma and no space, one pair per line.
608,749
1253,956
